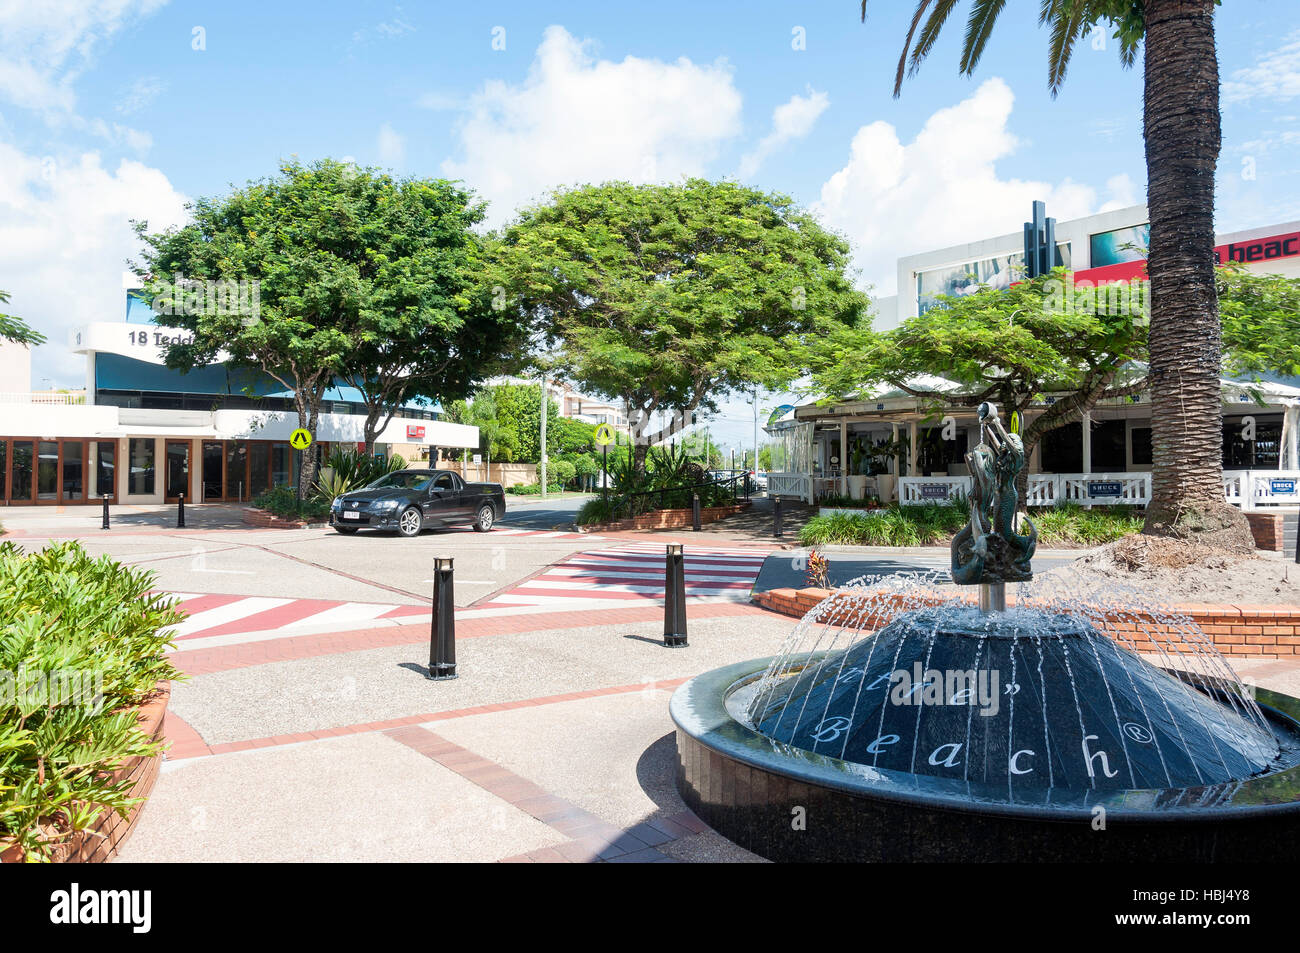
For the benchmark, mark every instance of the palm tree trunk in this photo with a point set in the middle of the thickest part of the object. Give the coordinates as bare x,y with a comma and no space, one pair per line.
1181,129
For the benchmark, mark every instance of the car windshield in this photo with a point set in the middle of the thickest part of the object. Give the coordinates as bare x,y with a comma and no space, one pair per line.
403,480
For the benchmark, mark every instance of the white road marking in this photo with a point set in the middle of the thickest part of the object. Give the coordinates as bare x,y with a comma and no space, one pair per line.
228,613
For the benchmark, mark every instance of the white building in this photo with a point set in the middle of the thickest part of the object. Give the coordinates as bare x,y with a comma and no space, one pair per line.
1106,458
143,433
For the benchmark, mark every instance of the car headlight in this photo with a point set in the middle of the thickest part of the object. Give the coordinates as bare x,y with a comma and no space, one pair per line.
337,504
386,506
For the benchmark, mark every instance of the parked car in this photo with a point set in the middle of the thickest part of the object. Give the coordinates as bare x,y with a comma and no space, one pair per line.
410,500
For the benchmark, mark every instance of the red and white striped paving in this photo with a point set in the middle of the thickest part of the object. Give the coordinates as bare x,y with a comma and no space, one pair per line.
621,576
634,573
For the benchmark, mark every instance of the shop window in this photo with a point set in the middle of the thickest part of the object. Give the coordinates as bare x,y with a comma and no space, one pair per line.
1063,449
141,482
1108,446
105,455
1141,437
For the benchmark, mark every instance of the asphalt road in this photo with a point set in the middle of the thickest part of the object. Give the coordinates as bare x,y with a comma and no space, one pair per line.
540,514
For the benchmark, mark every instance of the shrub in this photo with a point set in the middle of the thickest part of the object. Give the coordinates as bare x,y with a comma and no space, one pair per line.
346,470
598,510
282,501
561,472
82,643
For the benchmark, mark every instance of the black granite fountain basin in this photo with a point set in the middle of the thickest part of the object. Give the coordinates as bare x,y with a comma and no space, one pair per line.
788,803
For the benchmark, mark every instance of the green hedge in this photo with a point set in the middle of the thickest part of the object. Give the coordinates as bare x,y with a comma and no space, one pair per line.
932,523
82,641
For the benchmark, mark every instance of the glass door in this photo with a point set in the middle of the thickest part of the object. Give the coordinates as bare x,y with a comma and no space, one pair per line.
47,471
72,467
22,485
236,470
178,470
214,482
106,469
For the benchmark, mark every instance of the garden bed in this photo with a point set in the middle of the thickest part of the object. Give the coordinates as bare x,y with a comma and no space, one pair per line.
1244,631
269,520
104,838
666,519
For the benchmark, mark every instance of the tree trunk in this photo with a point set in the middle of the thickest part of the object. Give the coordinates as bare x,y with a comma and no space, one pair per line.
1181,130
308,406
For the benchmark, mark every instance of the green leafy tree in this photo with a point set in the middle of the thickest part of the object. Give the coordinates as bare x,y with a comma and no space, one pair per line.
519,417
359,277
14,329
1261,322
425,324
1008,346
1181,129
670,297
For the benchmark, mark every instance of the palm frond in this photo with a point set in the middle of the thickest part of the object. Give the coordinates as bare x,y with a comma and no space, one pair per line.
979,27
1067,26
930,32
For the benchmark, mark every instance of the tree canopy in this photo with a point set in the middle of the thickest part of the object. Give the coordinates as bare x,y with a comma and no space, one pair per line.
1261,322
343,274
1010,346
15,329
670,297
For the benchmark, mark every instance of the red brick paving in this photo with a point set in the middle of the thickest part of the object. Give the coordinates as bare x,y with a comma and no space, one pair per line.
246,654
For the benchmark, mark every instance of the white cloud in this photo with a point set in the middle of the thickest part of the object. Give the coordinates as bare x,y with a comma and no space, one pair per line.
64,241
46,44
791,120
1275,75
139,94
577,119
391,146
942,188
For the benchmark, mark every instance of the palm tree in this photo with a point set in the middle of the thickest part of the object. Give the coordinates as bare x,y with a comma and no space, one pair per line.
1181,130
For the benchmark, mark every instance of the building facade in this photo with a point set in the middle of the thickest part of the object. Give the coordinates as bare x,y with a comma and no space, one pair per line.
833,448
143,433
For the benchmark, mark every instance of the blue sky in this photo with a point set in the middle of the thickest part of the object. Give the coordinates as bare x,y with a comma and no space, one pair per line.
108,111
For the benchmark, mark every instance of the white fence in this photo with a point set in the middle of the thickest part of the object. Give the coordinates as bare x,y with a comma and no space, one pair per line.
1251,489
798,485
913,491
62,400
1045,489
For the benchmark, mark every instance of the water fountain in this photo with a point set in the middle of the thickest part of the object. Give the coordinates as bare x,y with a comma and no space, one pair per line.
904,719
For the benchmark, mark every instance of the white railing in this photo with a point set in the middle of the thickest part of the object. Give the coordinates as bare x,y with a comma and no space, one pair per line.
63,400
1044,489
797,485
1273,487
913,491
1236,484
1106,489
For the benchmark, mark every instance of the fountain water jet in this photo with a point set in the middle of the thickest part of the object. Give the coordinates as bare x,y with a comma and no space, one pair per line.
908,721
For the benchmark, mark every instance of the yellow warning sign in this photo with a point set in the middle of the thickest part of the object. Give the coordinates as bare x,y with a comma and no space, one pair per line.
300,439
604,435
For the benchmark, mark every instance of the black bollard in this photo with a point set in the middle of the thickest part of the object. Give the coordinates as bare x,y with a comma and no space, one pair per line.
104,524
442,634
180,512
674,597
695,512
776,517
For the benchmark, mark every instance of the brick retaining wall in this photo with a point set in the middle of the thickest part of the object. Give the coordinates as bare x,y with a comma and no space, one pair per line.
667,519
1267,530
1257,631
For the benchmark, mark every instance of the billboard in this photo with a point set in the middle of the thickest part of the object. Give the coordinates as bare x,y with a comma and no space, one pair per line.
1118,245
999,272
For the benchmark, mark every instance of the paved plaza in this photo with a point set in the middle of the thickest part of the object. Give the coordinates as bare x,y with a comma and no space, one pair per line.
308,731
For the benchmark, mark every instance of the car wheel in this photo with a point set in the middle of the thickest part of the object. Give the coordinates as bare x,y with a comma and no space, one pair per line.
486,516
408,523
345,530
